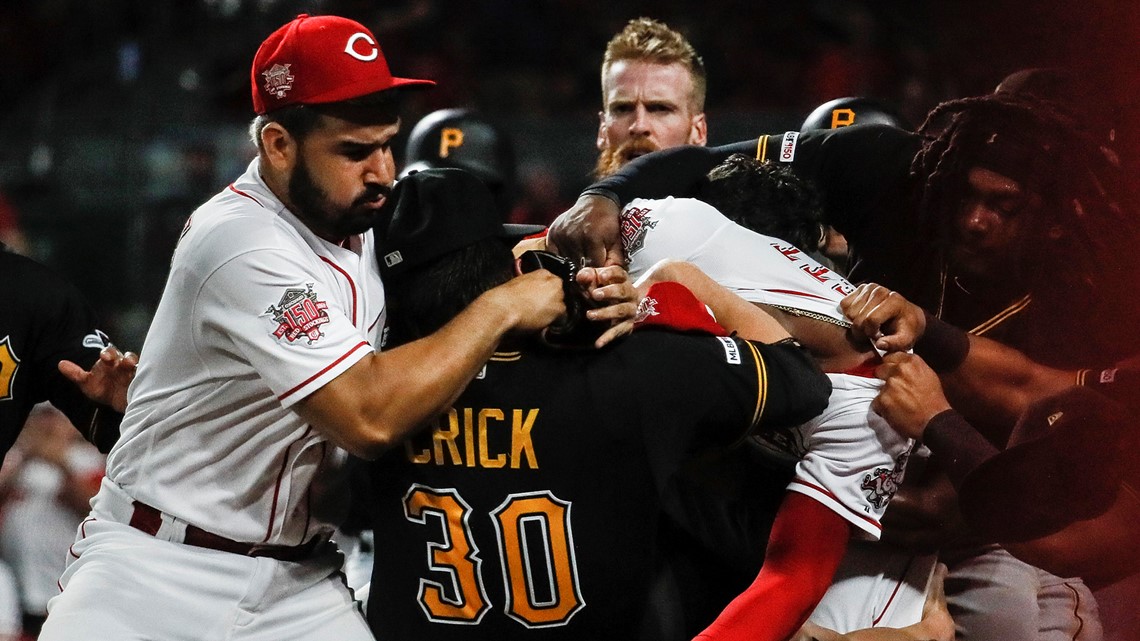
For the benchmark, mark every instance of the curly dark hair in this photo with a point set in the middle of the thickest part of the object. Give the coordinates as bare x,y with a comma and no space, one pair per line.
767,198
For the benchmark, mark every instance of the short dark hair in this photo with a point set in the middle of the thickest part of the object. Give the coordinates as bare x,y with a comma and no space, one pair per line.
767,198
300,120
427,296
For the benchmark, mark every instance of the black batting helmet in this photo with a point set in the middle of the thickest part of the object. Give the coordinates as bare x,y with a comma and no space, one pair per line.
463,139
842,112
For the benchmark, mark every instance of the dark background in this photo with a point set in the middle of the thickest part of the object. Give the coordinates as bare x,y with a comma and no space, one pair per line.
118,117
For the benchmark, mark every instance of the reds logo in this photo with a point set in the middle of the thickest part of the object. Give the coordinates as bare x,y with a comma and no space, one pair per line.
635,223
278,80
646,308
881,485
298,314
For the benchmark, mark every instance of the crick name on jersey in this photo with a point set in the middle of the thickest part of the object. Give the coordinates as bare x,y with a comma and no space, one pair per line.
489,438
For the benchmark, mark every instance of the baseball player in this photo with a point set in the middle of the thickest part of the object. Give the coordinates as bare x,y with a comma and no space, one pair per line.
259,377
530,508
847,458
46,320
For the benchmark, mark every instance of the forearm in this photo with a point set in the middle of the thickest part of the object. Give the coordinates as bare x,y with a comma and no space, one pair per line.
999,381
732,312
959,446
388,395
805,547
671,172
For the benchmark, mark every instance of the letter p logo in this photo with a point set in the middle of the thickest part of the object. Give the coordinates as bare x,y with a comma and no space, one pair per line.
842,118
449,138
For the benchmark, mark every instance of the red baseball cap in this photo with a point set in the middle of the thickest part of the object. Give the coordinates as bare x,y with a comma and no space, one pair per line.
320,59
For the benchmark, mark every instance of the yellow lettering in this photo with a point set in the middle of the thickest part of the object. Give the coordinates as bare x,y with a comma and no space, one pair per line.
469,435
421,457
520,438
842,118
441,436
484,459
449,139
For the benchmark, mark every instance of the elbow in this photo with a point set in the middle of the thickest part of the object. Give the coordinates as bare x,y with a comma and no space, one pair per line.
807,387
363,438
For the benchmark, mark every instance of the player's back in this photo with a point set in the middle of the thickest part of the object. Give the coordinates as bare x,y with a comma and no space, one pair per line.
531,510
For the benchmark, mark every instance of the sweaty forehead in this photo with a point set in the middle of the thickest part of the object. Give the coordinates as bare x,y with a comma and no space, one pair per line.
636,80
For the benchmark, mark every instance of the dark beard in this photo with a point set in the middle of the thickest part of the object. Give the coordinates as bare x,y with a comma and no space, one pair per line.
312,205
611,159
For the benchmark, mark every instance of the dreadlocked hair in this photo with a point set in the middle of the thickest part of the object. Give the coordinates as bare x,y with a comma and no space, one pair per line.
1078,248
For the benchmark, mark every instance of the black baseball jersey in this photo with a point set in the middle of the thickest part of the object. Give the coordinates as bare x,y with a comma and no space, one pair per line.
531,509
44,320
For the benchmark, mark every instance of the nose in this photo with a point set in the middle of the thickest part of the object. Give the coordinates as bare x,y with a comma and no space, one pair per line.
380,168
640,124
977,220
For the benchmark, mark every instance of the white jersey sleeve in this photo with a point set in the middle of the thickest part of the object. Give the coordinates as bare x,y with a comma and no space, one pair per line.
849,458
282,319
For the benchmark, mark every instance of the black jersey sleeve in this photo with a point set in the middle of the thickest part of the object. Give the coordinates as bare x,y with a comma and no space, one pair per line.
859,170
671,172
51,321
730,386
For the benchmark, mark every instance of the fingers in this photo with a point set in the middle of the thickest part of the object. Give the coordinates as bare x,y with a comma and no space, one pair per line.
616,313
617,331
73,372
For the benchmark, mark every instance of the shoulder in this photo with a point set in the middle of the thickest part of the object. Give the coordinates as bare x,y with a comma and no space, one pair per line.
230,225
36,286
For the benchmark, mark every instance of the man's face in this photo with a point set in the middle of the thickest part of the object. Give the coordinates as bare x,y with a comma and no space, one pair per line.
988,230
646,106
342,175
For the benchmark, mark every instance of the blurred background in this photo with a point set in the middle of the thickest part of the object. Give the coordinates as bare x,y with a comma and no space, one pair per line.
118,117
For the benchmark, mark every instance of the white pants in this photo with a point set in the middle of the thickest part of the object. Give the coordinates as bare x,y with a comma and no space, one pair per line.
875,586
123,584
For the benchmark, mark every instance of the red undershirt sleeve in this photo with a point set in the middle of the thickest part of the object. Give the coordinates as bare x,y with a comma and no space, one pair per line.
807,542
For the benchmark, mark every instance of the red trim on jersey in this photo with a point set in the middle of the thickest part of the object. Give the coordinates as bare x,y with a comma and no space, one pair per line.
323,370
827,493
242,193
894,593
351,285
373,325
277,487
793,292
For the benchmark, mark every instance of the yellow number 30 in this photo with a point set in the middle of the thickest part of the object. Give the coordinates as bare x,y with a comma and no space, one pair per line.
535,546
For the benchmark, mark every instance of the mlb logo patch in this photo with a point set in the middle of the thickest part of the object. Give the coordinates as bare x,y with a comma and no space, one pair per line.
731,350
393,258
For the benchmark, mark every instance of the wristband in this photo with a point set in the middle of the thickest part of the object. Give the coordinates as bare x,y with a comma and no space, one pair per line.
942,345
1121,385
604,193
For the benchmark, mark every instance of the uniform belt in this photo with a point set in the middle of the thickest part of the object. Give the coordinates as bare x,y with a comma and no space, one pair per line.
149,520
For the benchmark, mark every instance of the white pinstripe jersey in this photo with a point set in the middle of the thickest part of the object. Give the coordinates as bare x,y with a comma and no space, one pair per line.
258,313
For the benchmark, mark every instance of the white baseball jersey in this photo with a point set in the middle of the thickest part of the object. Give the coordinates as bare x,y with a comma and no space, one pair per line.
847,458
258,313
758,268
